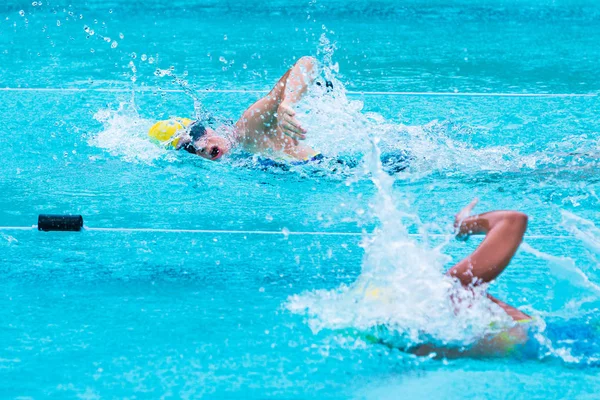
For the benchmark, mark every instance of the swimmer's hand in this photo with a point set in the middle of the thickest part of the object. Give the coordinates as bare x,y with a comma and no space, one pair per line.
460,229
287,122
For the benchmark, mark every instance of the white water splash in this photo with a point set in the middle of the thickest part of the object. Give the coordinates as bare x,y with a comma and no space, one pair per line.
125,134
337,125
8,239
402,294
582,229
564,268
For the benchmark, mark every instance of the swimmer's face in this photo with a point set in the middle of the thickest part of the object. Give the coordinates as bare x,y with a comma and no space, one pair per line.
211,146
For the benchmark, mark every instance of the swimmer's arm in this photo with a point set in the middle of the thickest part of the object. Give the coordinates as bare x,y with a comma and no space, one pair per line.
288,90
486,222
291,87
504,232
297,79
275,108
260,116
301,152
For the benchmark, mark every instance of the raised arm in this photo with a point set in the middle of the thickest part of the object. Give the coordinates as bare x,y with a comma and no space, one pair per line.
298,78
292,87
274,111
504,232
286,92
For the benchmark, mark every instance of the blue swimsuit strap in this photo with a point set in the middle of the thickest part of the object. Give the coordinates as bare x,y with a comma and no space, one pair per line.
316,157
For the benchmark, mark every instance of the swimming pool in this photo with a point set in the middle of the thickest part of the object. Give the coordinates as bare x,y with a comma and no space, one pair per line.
182,314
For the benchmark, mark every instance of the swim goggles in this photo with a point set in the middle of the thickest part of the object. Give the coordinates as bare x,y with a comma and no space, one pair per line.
196,130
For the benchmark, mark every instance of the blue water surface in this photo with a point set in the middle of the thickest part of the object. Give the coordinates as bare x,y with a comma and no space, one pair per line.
184,315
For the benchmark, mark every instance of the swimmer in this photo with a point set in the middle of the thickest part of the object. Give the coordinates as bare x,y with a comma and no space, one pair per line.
504,232
268,126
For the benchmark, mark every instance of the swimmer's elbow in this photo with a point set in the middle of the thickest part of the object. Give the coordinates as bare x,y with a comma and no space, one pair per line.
521,218
518,220
308,62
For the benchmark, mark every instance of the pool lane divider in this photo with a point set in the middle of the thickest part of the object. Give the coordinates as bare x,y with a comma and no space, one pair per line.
71,223
74,223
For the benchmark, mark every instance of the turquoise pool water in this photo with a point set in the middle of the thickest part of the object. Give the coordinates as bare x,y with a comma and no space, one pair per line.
147,314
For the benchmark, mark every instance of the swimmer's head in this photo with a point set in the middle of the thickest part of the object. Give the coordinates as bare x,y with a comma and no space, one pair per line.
203,141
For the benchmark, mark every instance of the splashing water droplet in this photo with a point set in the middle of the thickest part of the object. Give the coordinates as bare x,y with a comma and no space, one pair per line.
162,72
121,36
114,45
144,57
22,13
223,60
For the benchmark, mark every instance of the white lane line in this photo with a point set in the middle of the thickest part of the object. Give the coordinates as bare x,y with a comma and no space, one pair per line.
222,231
282,233
17,228
247,232
359,93
460,94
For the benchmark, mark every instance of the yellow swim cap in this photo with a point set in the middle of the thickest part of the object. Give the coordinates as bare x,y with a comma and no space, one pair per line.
165,132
